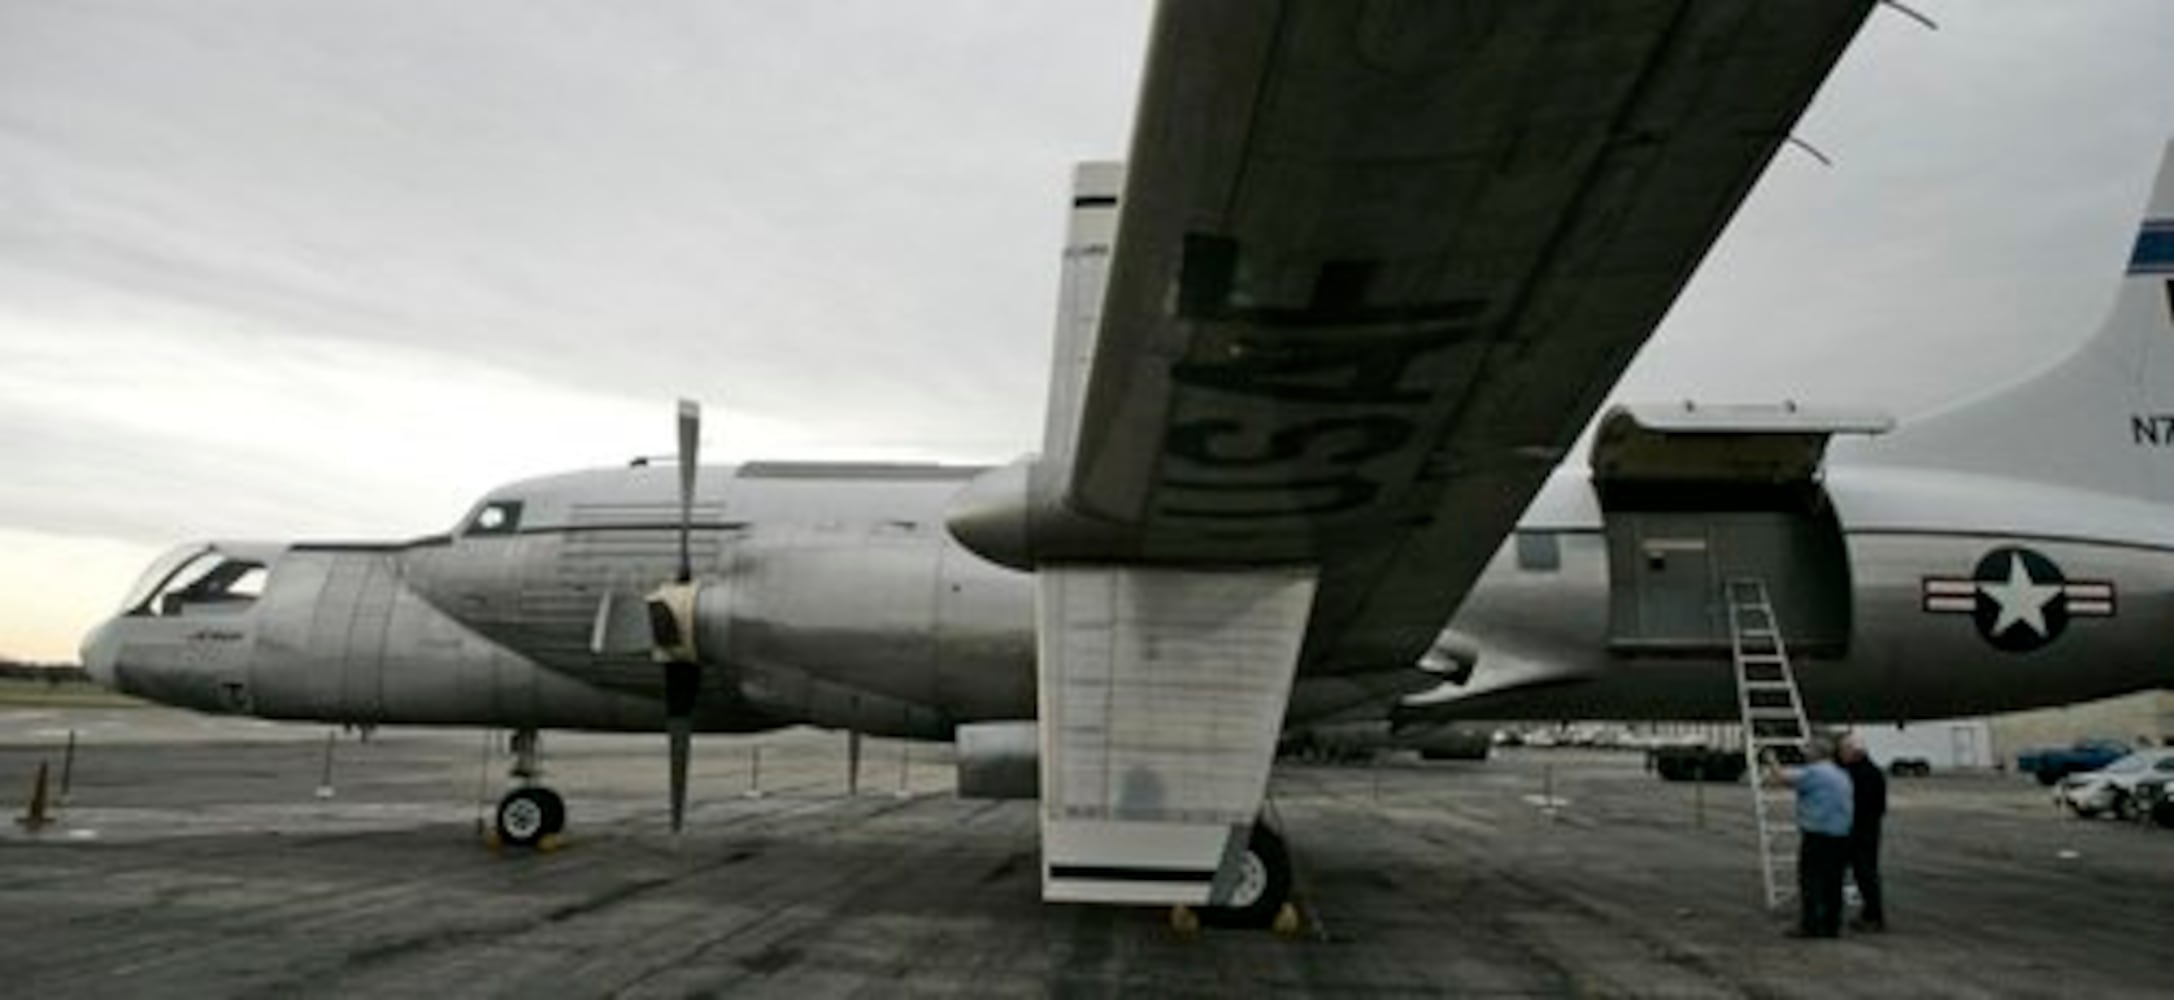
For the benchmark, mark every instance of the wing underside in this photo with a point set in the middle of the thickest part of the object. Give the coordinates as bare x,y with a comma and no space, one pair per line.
1376,265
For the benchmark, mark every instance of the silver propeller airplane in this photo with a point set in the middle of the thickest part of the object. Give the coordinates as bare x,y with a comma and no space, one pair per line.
1324,344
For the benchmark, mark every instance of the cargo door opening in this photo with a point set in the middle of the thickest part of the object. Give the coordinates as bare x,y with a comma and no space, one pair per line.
1692,497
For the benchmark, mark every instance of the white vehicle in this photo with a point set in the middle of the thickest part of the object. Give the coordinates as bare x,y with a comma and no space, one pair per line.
2113,788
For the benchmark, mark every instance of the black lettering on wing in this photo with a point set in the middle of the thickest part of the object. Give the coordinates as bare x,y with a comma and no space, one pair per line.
1320,371
1228,501
1308,467
1220,442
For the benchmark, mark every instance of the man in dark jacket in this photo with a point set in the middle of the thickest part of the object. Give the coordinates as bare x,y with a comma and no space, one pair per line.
1870,789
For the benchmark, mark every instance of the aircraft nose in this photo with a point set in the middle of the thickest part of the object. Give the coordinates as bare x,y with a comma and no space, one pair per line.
98,653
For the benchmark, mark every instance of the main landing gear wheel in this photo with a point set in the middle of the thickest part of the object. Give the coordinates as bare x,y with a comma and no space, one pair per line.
1264,884
528,815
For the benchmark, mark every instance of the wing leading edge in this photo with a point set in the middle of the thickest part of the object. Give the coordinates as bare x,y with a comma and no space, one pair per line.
1377,264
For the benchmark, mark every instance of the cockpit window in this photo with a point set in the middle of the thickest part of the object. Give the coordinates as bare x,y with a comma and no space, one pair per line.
498,517
161,571
208,583
249,582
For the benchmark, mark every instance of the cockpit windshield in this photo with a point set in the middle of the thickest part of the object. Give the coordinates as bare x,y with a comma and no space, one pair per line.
196,578
160,571
493,517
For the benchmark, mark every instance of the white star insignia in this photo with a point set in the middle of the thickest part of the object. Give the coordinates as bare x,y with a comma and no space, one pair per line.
2022,600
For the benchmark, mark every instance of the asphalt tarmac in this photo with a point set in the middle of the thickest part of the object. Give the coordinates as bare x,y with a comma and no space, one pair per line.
197,857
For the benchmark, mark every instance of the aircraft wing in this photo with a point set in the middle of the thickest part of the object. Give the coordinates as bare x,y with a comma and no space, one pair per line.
1376,264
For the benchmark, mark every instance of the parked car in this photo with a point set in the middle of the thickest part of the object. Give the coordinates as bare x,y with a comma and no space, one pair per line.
1451,742
2154,800
2051,765
2113,788
1696,763
1909,767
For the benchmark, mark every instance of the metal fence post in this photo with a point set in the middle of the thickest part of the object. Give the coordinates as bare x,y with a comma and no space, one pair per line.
67,768
324,785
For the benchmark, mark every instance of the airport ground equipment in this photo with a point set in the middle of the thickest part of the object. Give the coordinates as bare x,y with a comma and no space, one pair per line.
1774,723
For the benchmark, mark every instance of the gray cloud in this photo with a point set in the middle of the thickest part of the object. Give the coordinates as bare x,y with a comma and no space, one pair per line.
1987,187
744,202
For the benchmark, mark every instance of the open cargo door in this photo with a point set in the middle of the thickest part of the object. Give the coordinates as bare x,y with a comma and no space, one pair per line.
1692,496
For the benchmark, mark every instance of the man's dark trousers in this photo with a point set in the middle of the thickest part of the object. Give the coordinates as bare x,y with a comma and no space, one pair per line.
1869,789
1820,860
1864,869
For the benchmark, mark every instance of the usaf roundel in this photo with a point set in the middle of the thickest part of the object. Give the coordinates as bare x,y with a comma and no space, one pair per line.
2019,599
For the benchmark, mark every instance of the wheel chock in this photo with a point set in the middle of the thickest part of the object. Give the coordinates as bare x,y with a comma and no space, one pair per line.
491,842
549,842
1183,920
1287,922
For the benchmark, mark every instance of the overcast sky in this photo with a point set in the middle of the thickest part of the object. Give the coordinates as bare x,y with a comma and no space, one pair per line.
281,270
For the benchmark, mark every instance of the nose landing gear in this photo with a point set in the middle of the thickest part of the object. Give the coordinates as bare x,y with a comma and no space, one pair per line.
530,815
527,815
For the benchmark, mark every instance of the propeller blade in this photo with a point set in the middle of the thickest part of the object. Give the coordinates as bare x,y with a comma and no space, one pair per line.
682,685
680,730
690,436
671,620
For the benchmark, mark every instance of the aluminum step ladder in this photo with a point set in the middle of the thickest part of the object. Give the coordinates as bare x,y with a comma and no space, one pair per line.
1773,720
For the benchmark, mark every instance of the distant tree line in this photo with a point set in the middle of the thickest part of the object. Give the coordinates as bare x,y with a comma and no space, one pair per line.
51,673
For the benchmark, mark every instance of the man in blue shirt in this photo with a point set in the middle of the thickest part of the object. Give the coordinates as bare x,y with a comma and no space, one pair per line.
1825,813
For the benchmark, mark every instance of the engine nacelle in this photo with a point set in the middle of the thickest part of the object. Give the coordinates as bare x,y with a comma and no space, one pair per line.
1000,760
1013,516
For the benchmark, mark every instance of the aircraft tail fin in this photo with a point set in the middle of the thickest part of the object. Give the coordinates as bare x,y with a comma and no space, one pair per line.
2101,419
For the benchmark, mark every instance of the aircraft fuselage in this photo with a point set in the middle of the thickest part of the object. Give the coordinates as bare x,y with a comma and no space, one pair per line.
836,597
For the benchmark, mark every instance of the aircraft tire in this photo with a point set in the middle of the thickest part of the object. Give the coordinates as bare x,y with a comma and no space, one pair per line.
554,811
527,815
1264,884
